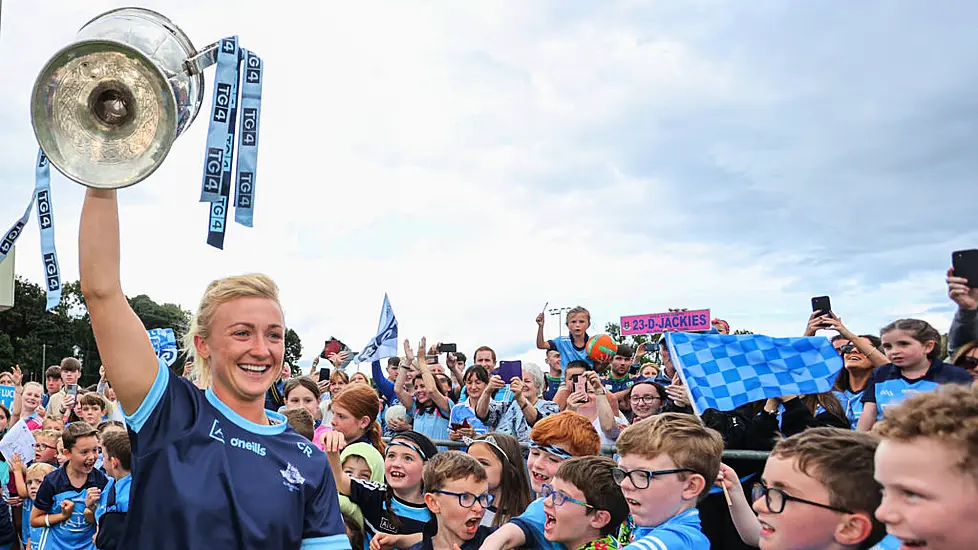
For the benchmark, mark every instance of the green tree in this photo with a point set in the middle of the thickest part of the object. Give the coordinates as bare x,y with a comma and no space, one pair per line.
293,351
36,339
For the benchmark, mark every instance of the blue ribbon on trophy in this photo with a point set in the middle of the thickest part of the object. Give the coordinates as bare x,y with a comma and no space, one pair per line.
107,108
230,83
164,344
45,221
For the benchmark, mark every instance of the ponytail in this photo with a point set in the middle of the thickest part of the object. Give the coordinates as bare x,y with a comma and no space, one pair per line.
376,437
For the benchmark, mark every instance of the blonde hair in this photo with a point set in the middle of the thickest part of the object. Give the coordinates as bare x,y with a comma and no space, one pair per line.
34,384
681,437
42,468
218,293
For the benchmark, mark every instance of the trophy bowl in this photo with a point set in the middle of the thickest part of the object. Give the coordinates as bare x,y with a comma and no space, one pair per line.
107,108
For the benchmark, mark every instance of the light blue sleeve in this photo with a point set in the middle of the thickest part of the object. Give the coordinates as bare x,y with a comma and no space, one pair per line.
332,542
138,419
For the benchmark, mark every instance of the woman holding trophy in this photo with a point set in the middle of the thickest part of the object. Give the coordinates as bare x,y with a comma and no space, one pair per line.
211,468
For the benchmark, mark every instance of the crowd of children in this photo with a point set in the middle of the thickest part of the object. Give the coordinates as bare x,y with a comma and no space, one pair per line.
886,460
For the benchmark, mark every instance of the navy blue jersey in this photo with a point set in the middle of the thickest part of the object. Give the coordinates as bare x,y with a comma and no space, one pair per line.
615,385
75,533
204,477
888,388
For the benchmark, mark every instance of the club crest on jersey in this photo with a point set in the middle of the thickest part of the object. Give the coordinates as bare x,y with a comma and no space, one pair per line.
293,479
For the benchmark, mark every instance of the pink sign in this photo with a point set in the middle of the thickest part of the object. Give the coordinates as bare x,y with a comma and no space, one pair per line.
679,321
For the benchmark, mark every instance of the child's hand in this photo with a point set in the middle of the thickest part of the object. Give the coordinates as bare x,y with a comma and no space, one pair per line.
67,508
17,375
333,442
383,541
398,425
15,501
17,464
41,411
727,477
453,435
91,498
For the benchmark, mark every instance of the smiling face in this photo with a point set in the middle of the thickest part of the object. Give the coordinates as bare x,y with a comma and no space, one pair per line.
645,401
31,397
928,502
83,455
800,526
474,387
402,469
244,349
458,520
542,467
856,360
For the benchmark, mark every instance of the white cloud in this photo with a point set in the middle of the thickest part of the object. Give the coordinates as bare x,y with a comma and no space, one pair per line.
445,153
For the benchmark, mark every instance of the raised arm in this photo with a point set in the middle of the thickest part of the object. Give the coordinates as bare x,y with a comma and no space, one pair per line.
122,341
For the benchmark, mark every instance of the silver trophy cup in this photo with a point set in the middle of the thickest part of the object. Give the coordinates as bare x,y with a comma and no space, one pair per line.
107,108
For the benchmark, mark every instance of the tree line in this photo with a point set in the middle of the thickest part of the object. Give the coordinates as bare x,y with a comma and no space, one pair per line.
36,339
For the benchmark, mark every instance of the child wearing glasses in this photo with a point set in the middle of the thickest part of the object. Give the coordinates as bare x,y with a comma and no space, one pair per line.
665,463
817,492
457,495
553,440
584,507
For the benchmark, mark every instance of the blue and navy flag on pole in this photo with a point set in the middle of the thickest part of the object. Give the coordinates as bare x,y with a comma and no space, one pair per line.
726,371
383,345
164,344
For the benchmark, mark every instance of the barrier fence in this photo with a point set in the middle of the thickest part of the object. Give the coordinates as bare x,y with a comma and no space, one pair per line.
730,454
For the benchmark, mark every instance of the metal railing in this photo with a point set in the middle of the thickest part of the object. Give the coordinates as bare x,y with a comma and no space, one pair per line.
609,450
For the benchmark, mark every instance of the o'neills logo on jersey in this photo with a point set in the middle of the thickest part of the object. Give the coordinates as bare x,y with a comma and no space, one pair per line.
252,446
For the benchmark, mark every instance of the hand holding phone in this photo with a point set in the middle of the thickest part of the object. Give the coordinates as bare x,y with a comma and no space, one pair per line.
965,264
71,389
324,374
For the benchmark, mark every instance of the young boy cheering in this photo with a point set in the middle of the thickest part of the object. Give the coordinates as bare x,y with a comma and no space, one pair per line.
817,492
554,439
584,506
457,494
927,464
665,463
60,503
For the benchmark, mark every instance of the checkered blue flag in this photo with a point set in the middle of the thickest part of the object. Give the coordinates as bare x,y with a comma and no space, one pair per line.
726,371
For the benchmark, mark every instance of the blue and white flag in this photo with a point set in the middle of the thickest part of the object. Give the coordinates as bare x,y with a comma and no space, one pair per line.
164,344
726,371
383,345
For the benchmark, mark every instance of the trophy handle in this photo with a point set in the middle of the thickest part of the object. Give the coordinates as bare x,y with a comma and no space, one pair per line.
204,58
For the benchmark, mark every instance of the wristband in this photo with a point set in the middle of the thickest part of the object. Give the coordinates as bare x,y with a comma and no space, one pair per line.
47,520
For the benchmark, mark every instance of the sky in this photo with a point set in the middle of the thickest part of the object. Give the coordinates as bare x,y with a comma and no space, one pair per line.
478,160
